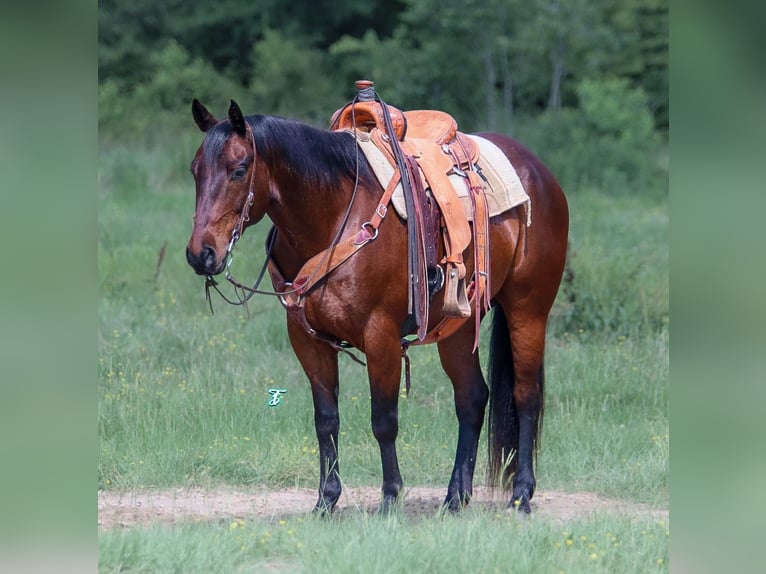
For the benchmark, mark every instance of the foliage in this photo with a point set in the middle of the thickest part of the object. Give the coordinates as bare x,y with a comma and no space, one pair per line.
618,120
493,64
616,282
293,79
476,541
608,141
150,109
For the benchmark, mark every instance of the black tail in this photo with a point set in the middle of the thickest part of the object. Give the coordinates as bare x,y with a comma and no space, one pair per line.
503,435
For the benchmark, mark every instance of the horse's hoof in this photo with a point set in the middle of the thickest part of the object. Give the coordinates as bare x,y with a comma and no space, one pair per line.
455,504
389,505
520,504
323,509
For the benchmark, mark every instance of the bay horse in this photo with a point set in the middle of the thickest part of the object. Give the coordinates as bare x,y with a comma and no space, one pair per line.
315,185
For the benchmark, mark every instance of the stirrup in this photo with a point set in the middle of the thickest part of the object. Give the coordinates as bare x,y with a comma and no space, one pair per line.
456,302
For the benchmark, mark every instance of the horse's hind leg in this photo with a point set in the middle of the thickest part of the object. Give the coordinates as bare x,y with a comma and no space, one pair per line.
528,344
470,391
320,362
516,387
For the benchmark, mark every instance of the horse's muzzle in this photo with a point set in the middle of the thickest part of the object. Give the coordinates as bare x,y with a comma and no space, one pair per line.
204,263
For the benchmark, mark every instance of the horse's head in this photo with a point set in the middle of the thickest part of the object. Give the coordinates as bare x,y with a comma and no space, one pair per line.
224,174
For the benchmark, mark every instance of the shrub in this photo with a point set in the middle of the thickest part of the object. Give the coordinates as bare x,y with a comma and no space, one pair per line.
161,104
290,79
609,142
616,282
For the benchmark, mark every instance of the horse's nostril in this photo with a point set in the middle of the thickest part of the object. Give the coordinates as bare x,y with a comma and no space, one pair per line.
205,262
207,257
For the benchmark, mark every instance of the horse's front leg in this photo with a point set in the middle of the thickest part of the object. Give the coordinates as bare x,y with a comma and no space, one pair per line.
471,394
384,368
320,363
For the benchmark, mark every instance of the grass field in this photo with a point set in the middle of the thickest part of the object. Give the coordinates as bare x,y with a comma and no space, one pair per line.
472,542
182,401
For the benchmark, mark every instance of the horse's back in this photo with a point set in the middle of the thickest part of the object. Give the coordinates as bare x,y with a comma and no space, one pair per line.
540,248
539,183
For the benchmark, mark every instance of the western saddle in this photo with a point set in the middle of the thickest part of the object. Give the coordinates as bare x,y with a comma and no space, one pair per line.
425,148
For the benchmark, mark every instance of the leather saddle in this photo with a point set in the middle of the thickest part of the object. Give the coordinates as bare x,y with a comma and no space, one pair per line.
431,138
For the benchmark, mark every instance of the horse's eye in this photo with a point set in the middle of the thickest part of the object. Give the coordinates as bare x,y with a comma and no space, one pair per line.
238,173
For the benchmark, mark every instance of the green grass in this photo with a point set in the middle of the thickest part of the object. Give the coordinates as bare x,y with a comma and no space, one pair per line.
163,422
182,400
476,541
606,426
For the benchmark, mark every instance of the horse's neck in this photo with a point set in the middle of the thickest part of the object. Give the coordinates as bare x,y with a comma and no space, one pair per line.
306,211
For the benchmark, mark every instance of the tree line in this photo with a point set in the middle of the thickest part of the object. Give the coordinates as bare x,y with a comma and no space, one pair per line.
555,73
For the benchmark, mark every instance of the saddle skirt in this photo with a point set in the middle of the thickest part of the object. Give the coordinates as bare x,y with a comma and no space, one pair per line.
503,188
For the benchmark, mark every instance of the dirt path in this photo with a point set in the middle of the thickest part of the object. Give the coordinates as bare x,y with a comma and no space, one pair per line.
125,509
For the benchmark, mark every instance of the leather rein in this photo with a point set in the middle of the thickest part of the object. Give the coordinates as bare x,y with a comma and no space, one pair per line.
243,292
291,296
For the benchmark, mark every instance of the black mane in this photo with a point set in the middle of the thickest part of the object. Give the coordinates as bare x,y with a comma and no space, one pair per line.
322,158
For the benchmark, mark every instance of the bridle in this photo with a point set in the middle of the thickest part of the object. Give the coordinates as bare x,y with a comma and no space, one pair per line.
242,292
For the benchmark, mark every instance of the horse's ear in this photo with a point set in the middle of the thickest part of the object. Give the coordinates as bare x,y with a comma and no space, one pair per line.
203,118
237,119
